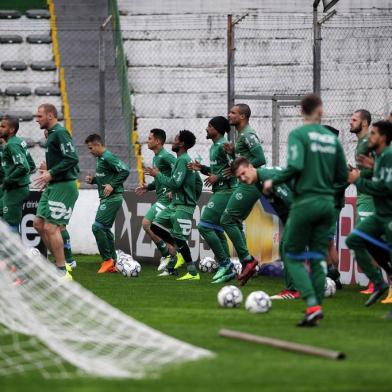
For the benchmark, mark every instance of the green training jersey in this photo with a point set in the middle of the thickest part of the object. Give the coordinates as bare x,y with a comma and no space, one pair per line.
164,162
248,146
1,167
62,160
15,164
219,161
363,149
109,169
185,183
316,162
281,197
380,185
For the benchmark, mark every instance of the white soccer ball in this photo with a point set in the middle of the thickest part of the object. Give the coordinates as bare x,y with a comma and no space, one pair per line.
208,264
131,269
258,302
119,253
34,252
120,266
230,297
237,265
329,288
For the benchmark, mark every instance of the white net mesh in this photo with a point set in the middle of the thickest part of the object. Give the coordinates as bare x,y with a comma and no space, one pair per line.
49,325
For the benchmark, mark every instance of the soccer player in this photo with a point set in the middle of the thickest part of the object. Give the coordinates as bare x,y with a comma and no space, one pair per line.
209,226
374,227
164,162
17,168
280,199
359,125
59,180
244,196
317,166
110,174
174,224
2,145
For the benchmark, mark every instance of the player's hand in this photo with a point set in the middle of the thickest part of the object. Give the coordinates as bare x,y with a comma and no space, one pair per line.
107,190
151,171
211,180
353,176
229,148
227,172
42,166
169,195
267,187
88,179
43,179
141,190
194,166
365,161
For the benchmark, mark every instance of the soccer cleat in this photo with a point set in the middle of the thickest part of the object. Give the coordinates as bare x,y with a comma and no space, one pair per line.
106,266
312,317
287,294
167,272
189,276
64,277
369,289
388,299
180,261
378,292
112,269
163,263
224,269
70,264
248,272
225,278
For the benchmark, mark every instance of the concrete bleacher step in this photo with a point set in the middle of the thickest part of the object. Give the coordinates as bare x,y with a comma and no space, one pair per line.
29,77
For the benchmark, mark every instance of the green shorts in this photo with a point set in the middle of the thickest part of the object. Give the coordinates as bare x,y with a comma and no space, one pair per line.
108,208
1,200
177,220
365,208
306,235
217,203
155,209
57,202
13,204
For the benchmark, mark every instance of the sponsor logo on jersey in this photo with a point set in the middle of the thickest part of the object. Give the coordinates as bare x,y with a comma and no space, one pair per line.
239,196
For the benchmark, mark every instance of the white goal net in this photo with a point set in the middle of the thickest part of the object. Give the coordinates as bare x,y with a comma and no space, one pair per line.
59,328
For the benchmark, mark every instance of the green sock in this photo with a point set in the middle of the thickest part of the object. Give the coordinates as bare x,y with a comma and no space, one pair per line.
103,242
237,237
365,262
317,276
191,268
162,247
67,245
217,244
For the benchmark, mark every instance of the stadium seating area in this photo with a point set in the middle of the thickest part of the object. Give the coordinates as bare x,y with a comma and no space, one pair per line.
28,74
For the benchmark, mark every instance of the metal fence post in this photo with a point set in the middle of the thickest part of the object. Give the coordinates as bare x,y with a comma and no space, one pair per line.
275,132
102,87
316,51
230,67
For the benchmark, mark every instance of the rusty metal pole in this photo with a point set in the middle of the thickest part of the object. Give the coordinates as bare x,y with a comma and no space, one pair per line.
230,68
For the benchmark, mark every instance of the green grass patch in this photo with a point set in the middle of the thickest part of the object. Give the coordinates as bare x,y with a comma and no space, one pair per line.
189,311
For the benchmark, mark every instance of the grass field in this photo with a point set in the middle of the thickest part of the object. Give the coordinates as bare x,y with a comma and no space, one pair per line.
189,311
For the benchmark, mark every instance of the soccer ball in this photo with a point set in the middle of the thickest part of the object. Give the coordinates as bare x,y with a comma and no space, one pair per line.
131,269
120,266
237,266
119,253
258,302
208,264
34,252
329,288
230,297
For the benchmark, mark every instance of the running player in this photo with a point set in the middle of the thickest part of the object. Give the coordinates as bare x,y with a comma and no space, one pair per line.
359,125
17,168
164,162
244,196
59,180
375,227
174,224
222,188
317,166
110,174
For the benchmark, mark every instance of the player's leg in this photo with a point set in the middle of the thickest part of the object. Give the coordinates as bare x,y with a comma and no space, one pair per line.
42,212
332,256
102,226
388,238
70,262
369,230
12,206
238,208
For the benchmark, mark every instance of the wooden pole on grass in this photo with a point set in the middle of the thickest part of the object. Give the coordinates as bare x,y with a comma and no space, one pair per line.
282,344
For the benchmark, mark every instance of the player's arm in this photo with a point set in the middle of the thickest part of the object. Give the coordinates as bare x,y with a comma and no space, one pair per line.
31,162
295,161
119,168
20,165
257,157
206,170
199,186
382,187
151,186
69,157
177,177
